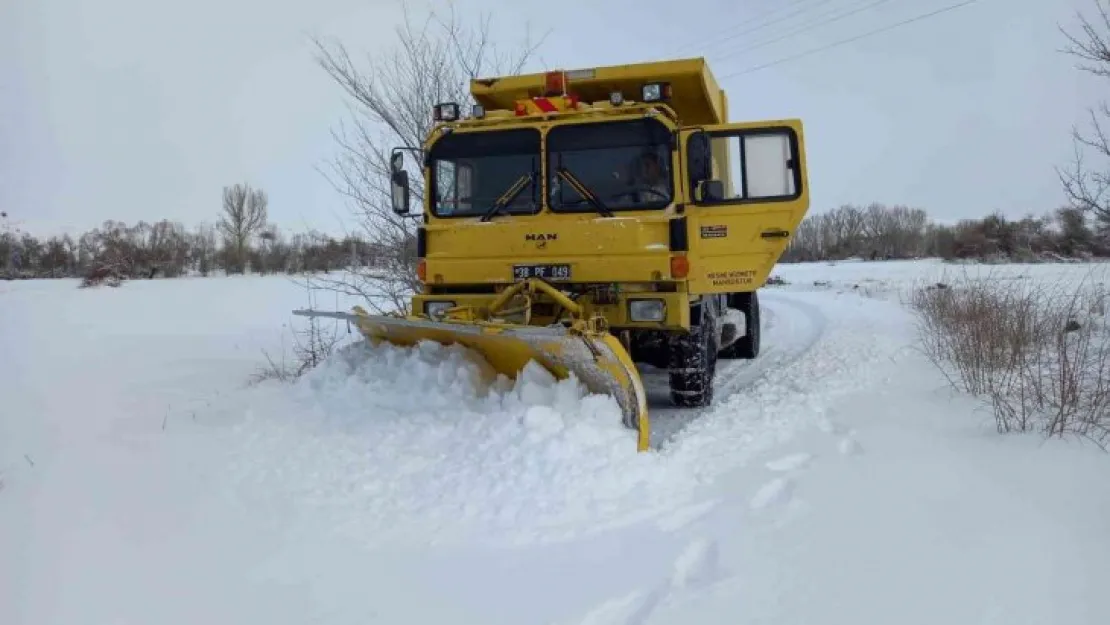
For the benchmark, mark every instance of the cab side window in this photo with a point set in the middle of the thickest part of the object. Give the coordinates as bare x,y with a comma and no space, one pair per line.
768,170
752,166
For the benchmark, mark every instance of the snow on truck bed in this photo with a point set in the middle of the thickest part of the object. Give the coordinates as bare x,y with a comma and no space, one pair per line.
835,480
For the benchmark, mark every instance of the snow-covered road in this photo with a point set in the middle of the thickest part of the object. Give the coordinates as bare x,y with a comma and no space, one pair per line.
835,479
791,326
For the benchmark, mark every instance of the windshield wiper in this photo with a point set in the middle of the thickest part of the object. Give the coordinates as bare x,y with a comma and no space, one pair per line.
584,191
510,194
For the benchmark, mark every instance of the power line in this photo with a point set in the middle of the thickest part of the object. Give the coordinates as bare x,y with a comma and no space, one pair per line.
732,34
918,18
703,39
824,21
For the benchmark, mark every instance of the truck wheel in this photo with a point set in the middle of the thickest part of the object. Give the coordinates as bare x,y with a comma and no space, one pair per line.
693,363
747,346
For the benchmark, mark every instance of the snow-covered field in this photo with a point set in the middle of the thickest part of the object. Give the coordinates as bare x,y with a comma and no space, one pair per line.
837,479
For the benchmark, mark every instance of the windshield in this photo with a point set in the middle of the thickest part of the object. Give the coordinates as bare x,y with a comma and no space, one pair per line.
624,165
471,171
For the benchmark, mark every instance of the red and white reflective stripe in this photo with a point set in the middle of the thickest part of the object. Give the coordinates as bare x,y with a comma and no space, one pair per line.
541,105
546,105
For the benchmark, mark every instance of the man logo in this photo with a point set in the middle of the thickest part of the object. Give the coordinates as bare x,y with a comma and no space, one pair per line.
541,236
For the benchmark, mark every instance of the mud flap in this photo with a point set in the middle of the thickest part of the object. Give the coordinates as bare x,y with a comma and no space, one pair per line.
597,359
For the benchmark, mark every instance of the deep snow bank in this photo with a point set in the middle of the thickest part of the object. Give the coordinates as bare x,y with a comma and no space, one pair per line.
402,444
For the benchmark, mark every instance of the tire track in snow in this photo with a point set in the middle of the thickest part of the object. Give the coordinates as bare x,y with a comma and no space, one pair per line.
829,345
791,329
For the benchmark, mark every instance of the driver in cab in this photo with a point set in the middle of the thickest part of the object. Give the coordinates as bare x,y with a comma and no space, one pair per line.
650,180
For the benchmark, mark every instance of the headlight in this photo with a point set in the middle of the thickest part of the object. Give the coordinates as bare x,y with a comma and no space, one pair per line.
436,310
445,112
656,92
647,310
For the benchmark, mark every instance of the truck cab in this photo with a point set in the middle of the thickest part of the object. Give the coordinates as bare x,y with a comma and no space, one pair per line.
627,189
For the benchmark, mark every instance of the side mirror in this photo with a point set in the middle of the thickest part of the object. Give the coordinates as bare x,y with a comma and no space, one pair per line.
700,158
396,161
711,191
399,183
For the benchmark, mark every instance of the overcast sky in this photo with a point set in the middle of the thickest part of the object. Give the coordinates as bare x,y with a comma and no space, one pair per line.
130,109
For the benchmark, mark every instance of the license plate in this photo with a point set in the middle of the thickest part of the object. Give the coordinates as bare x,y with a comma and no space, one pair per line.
545,272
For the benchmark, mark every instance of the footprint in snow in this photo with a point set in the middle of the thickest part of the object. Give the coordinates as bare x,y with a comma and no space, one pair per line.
634,608
698,567
828,426
778,491
791,462
687,515
628,609
849,446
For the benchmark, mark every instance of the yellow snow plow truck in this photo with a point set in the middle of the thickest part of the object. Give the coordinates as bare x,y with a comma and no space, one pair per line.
595,218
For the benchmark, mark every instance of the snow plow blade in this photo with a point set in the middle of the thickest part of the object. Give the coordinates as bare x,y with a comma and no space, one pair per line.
595,357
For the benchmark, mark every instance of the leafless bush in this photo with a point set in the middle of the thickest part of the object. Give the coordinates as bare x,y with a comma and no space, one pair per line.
1039,354
311,346
102,274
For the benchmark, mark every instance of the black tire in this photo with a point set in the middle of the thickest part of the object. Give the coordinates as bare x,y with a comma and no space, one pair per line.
747,346
693,364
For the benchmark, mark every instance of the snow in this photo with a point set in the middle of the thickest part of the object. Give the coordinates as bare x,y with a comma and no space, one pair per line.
511,462
836,479
889,279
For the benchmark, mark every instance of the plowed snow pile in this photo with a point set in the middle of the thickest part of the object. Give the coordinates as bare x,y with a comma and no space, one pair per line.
410,443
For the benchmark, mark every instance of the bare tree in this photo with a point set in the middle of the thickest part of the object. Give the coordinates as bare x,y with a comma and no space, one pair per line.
203,248
1075,236
9,244
244,215
1088,188
392,99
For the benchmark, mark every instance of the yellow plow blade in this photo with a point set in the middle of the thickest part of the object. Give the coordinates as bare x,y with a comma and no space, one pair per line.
597,359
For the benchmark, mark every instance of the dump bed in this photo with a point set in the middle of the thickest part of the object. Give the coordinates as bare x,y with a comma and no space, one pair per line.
695,95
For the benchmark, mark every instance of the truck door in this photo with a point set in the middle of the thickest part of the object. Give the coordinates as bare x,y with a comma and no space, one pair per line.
745,204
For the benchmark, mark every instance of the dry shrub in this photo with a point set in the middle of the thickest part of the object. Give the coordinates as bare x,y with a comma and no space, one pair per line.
311,346
102,274
1038,353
